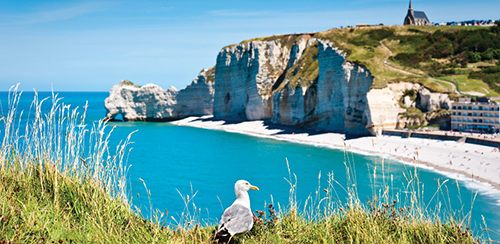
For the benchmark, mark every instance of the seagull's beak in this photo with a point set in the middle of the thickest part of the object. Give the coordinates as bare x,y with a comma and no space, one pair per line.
254,188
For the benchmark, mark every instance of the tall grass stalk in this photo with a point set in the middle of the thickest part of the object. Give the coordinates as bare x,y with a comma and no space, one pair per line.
60,180
392,215
61,140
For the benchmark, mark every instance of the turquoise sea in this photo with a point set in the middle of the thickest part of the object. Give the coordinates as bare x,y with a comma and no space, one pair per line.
205,163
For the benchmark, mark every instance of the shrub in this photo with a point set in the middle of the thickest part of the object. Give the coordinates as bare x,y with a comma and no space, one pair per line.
496,53
488,55
440,49
410,59
448,71
474,57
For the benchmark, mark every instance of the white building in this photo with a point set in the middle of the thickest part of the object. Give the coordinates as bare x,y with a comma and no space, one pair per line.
482,115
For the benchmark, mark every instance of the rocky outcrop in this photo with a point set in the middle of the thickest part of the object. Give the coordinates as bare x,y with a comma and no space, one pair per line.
151,103
386,105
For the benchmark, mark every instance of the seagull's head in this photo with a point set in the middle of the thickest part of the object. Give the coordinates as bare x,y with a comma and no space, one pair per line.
243,186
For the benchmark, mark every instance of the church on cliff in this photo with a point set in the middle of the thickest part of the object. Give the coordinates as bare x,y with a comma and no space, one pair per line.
416,17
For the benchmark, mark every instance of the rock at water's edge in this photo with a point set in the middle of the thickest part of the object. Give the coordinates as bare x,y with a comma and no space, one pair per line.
151,103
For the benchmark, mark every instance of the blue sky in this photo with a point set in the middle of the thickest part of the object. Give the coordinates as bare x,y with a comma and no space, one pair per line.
93,45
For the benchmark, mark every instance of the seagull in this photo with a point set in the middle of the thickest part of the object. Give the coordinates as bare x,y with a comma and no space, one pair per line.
237,218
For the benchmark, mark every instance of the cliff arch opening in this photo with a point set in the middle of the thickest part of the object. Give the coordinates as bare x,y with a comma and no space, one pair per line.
118,117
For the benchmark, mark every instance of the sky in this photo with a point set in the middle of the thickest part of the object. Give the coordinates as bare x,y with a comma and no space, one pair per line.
92,45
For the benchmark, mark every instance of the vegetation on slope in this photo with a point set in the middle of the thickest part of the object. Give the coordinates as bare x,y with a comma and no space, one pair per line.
128,83
59,183
428,51
210,74
460,59
490,75
306,70
286,41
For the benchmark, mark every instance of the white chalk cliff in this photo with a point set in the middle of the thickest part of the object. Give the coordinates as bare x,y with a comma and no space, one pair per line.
254,81
151,103
294,80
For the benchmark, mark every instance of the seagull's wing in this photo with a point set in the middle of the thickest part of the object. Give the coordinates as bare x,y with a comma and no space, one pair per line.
236,219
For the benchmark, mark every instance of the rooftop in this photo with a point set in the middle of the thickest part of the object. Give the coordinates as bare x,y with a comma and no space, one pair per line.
420,15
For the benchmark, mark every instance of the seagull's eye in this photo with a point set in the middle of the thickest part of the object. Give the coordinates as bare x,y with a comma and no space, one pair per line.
247,183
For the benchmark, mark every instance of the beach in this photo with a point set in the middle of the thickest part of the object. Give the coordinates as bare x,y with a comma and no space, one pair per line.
471,163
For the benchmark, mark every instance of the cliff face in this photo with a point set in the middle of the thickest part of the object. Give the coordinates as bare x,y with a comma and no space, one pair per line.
196,99
310,84
294,80
258,81
245,75
336,99
151,103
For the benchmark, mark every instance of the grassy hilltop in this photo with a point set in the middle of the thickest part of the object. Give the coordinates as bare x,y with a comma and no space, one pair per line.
460,60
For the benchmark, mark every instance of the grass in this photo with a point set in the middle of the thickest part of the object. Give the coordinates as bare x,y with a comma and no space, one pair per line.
365,51
466,84
128,83
362,46
61,183
59,180
210,75
325,218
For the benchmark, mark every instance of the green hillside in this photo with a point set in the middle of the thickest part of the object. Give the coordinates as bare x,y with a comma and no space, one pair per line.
460,60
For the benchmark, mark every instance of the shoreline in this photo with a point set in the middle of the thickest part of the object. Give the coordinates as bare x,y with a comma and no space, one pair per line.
467,162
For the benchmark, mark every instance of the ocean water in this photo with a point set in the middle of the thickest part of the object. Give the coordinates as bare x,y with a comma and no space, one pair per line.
205,164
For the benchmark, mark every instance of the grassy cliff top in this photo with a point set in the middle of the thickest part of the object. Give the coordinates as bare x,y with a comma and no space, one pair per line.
461,60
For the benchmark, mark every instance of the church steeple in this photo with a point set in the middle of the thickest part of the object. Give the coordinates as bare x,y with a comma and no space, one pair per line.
416,17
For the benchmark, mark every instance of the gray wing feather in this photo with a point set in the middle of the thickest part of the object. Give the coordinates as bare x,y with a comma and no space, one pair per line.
236,219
